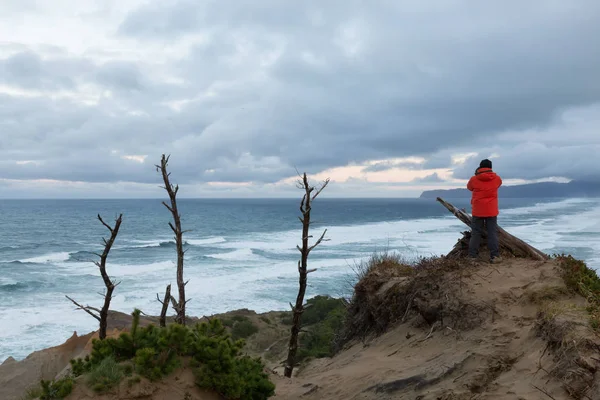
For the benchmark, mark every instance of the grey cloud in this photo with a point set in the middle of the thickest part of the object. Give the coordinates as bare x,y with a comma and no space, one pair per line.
26,69
387,165
441,159
278,86
433,178
120,75
537,161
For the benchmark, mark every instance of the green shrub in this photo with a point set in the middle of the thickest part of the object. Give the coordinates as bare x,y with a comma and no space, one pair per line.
287,318
318,309
127,369
243,330
55,390
156,352
240,318
155,364
228,322
584,281
218,366
266,319
318,342
80,366
105,376
133,380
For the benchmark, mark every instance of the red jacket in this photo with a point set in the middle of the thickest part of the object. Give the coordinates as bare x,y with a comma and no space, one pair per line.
484,185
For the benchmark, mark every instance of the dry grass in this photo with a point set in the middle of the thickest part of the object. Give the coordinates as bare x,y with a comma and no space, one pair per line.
391,290
570,347
496,366
547,294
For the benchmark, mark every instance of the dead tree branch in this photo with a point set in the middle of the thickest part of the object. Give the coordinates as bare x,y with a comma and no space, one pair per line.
298,309
87,309
172,190
102,314
165,306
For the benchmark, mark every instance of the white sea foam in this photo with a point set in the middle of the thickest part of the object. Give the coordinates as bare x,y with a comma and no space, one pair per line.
241,254
48,258
206,241
558,205
160,242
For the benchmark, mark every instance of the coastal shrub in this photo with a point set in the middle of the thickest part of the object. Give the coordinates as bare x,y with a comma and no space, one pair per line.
56,390
243,330
105,376
287,318
325,319
240,318
218,365
156,352
265,319
155,364
319,308
80,366
583,280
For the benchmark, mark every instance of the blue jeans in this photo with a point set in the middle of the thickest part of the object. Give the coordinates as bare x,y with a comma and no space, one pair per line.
491,224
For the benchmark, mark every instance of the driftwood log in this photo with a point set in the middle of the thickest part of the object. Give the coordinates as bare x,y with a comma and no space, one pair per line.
508,243
165,306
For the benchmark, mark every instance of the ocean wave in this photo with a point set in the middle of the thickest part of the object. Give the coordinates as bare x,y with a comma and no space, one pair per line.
205,241
146,244
8,248
143,244
140,269
546,206
18,286
243,254
47,258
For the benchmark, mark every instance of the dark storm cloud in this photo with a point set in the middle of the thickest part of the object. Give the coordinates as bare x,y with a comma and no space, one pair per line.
274,86
535,160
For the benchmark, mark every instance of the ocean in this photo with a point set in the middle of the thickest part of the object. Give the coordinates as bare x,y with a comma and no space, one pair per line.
240,253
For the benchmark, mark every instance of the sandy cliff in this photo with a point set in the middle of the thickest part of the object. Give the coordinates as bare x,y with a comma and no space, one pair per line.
509,331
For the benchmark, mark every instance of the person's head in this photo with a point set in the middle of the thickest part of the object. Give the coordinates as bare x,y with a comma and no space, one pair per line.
485,164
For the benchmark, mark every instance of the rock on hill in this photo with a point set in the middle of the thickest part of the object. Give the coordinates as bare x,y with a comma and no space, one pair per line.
452,330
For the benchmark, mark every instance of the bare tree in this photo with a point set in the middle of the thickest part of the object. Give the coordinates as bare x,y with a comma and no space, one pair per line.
298,309
102,314
178,305
165,306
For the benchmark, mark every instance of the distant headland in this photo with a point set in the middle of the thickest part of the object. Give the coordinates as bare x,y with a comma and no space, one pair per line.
532,190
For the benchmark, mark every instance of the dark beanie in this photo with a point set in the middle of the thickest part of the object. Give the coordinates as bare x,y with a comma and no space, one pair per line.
485,164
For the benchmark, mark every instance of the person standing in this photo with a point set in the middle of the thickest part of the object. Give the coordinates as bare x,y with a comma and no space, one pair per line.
484,202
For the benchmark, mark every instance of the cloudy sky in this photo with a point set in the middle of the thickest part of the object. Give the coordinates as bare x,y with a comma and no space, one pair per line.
386,97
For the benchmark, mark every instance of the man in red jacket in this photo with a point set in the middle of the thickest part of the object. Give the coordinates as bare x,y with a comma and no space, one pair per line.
484,201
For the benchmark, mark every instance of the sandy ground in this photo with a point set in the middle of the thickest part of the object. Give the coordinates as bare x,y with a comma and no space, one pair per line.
502,359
